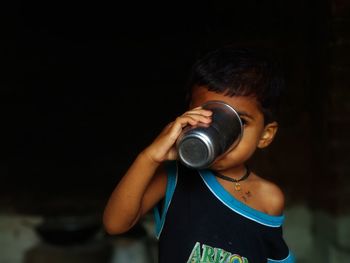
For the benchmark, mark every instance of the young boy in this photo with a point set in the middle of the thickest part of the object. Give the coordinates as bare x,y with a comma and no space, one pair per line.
201,215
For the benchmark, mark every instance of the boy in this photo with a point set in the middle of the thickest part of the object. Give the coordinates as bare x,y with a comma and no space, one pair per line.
225,213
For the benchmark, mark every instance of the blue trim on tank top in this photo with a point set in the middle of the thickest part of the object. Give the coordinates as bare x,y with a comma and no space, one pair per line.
289,259
171,170
231,202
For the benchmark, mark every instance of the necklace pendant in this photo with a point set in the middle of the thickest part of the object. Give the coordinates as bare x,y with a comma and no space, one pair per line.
237,186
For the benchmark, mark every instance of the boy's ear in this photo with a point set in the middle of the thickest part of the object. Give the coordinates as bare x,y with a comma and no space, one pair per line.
268,134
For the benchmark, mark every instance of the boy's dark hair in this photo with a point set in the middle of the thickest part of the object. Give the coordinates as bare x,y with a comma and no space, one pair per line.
240,72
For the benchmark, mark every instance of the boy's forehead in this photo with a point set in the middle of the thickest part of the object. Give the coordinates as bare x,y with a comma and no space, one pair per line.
200,95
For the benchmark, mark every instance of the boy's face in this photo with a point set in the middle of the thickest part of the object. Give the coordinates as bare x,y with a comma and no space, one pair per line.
255,133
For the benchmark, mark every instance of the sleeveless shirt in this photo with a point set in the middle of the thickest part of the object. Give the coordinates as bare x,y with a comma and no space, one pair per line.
199,221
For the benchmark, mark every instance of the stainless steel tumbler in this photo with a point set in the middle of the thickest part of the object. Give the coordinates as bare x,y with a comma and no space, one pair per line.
199,146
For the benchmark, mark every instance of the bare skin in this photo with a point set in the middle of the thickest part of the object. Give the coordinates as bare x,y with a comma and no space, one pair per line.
144,184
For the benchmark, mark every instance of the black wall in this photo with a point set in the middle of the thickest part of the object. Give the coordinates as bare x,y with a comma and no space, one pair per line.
87,85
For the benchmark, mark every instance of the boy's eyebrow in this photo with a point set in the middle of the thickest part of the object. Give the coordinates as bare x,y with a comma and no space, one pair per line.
244,114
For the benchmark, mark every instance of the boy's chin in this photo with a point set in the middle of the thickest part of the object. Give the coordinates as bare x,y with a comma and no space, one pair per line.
223,164
217,165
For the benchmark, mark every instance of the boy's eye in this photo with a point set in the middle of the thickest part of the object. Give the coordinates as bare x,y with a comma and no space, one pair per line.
244,121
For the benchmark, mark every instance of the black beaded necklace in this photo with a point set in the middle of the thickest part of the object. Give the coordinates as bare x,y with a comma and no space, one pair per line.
236,181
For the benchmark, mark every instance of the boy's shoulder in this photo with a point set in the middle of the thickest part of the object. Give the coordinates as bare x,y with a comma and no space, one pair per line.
270,195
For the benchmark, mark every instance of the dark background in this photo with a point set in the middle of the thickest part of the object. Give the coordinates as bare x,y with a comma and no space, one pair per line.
86,85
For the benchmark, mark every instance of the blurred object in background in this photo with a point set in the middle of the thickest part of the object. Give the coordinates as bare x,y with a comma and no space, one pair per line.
135,246
68,230
70,239
17,235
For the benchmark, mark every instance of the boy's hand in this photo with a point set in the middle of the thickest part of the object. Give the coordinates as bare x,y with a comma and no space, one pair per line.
163,147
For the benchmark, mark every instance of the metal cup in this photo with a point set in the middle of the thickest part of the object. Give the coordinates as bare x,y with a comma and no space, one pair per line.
200,145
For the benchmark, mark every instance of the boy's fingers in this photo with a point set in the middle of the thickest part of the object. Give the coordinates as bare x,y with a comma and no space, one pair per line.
199,112
193,119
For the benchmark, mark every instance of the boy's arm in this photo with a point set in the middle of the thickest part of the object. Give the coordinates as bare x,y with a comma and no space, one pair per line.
144,183
141,188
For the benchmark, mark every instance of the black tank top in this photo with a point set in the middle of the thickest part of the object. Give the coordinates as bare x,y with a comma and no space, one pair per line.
199,221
